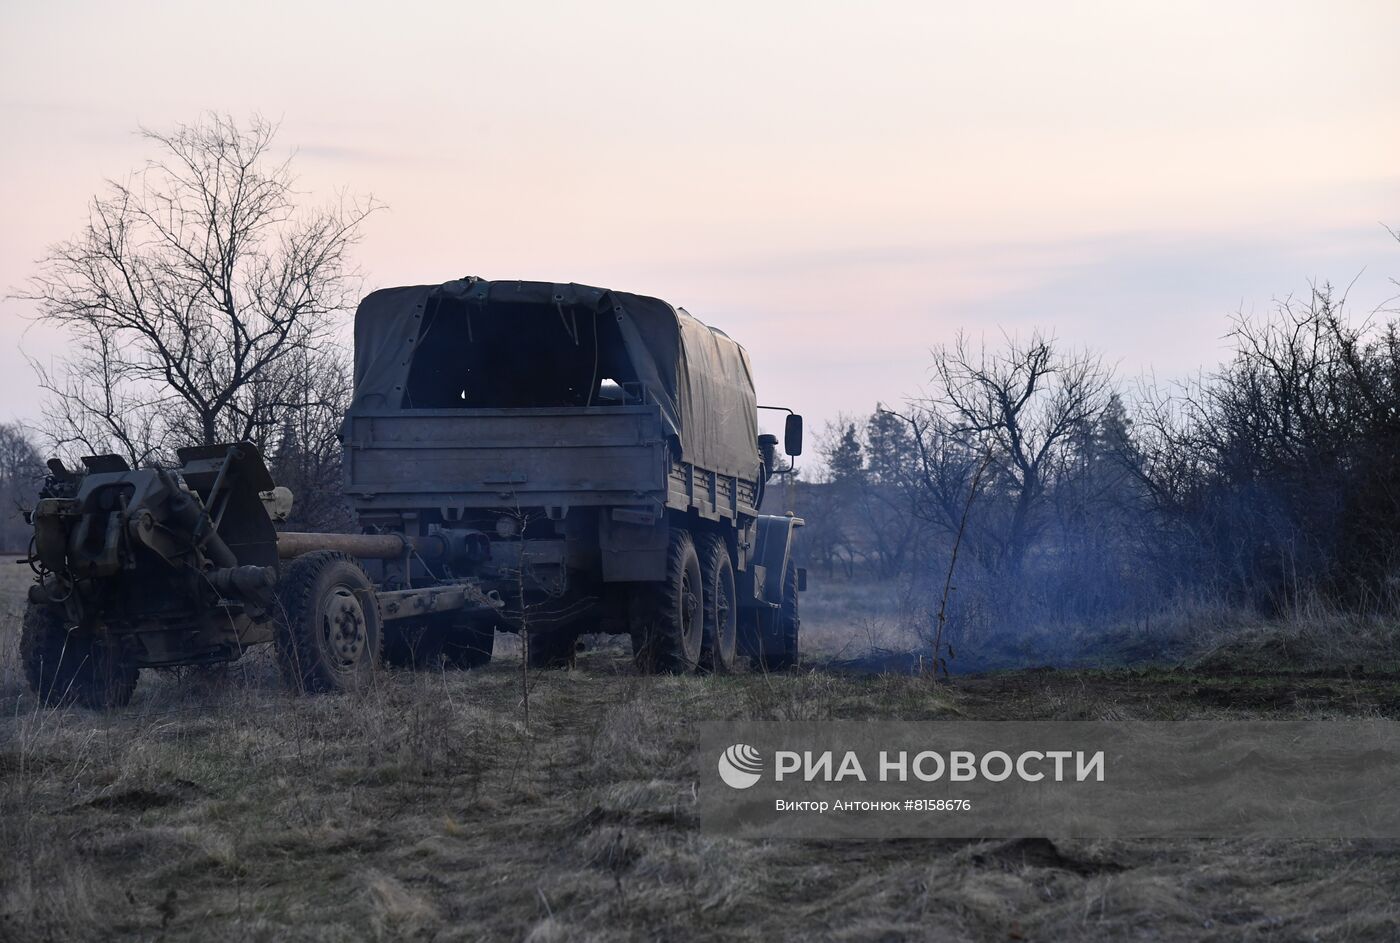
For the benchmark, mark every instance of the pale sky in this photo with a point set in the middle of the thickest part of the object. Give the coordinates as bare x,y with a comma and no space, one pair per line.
839,186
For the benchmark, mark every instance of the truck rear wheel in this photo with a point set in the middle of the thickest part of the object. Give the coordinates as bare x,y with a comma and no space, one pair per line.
469,644
552,650
670,633
329,632
64,664
721,610
413,643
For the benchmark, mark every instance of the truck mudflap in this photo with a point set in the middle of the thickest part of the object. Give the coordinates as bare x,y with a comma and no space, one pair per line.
761,585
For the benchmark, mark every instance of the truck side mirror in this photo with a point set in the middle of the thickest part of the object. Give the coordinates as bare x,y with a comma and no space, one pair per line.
792,435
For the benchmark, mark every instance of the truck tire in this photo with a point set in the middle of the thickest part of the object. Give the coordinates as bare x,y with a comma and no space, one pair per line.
329,633
64,665
417,644
469,645
721,609
780,632
670,634
552,650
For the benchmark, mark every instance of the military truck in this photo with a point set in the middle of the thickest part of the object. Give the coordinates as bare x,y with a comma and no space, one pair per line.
554,460
594,458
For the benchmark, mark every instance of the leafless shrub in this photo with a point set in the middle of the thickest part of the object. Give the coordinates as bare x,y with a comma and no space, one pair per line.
1273,479
197,287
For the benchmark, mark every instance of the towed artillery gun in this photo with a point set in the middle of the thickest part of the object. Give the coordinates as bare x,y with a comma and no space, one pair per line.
158,567
553,460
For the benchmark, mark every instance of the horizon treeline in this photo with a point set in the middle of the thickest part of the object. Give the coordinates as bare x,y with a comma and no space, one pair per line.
1268,482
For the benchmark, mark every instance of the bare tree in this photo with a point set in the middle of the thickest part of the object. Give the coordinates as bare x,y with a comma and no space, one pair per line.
1024,406
191,284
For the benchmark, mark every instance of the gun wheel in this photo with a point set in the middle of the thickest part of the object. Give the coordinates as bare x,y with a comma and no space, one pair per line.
64,664
329,632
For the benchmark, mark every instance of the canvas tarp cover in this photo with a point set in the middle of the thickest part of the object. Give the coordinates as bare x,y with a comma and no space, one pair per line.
697,375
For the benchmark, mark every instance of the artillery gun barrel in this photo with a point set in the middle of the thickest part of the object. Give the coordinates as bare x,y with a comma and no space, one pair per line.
362,546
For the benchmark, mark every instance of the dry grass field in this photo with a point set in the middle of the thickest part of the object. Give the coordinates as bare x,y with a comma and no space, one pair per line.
217,806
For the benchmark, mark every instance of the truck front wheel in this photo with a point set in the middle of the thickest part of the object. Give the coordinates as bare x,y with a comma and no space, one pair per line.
780,630
669,630
66,664
329,633
552,650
